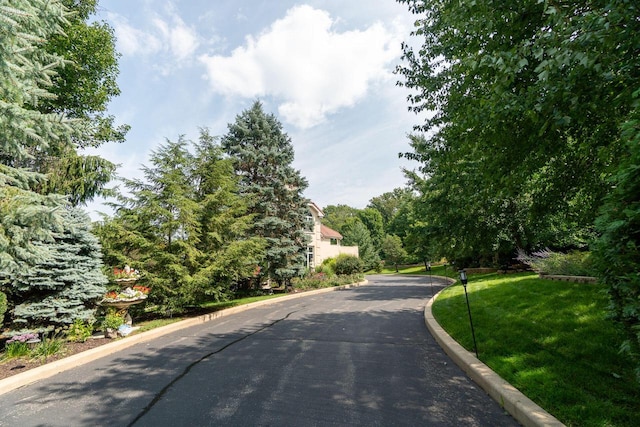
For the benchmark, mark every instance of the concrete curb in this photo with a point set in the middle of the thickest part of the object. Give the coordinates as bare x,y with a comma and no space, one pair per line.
523,409
53,368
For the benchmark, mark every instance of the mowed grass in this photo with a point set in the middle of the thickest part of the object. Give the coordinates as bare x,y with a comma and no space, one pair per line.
552,341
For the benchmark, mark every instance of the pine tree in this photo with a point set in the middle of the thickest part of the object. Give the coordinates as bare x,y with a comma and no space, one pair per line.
66,284
26,72
263,155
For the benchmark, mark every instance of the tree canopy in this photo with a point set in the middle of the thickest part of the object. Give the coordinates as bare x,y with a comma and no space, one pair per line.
528,97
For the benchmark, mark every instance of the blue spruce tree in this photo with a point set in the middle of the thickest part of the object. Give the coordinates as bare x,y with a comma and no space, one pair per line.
262,155
66,284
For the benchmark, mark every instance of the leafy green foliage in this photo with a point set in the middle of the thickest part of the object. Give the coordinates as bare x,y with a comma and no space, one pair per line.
80,330
575,263
321,280
617,251
393,251
348,265
3,306
112,320
528,99
356,233
262,155
338,217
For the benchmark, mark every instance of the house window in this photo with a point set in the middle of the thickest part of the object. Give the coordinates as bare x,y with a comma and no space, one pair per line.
310,260
334,242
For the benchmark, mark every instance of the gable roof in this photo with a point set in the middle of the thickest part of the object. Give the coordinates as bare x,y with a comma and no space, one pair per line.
329,233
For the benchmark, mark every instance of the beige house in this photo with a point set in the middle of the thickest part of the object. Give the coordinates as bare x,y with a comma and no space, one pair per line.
323,241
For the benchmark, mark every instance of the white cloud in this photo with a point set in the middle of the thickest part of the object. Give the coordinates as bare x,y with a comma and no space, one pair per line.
309,67
169,35
132,41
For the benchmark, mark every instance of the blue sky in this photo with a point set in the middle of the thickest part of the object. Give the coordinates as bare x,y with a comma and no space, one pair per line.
324,68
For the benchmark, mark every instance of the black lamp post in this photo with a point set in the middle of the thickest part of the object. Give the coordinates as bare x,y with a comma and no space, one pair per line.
463,280
430,282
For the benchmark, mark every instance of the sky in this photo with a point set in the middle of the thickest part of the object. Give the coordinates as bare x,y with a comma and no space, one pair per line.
323,68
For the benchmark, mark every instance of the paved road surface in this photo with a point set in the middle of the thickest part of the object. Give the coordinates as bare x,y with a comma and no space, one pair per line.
360,356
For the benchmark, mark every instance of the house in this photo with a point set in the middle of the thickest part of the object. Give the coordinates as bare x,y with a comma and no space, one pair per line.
324,242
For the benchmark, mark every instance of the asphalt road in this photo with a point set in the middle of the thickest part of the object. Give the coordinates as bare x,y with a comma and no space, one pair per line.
360,356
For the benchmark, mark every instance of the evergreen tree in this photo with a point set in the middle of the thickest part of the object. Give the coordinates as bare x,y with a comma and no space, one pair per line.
262,155
26,72
63,286
184,226
356,233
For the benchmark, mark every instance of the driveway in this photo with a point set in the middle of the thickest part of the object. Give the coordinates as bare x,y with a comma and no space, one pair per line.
359,356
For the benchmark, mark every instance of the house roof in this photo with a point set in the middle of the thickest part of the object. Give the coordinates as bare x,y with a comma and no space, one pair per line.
329,233
315,207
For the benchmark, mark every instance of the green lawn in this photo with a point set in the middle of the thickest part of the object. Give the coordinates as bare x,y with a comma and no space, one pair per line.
552,341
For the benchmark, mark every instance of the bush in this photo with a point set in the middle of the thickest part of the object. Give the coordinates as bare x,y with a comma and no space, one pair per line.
79,331
112,320
319,280
548,262
3,306
326,269
348,264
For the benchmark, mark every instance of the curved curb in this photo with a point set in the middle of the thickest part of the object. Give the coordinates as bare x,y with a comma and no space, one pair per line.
523,409
53,368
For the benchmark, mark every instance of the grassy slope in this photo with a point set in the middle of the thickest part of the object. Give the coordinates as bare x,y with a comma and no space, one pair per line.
552,341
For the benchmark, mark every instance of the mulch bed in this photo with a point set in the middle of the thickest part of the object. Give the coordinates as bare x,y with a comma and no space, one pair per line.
16,366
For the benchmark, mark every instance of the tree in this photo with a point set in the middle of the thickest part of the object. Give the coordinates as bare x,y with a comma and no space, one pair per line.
618,248
81,90
389,204
356,233
66,284
184,226
339,216
26,73
262,155
393,250
372,219
528,98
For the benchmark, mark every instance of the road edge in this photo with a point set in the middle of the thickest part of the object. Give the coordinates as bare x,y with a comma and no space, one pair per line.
524,410
50,369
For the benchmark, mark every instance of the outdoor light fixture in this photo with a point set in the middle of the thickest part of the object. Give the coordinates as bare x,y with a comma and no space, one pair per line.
430,281
463,280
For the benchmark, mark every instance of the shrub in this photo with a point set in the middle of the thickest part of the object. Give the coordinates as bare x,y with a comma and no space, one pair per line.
548,262
80,330
325,269
3,306
348,264
112,320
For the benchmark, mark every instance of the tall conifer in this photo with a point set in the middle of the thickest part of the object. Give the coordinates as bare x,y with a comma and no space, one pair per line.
26,72
263,155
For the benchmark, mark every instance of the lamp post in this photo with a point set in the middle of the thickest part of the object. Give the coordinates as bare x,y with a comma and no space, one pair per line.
463,280
430,282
